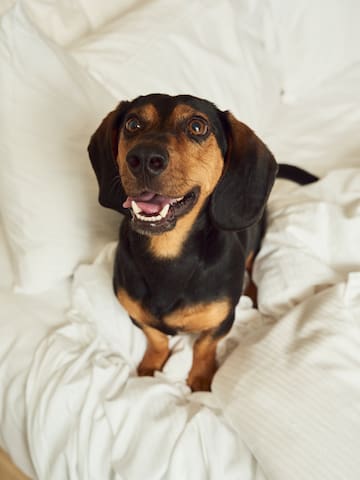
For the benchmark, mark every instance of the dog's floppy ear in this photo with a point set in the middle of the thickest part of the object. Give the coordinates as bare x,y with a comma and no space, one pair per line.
102,151
239,198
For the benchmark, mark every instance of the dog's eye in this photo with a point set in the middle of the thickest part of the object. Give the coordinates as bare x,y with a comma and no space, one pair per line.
197,127
133,124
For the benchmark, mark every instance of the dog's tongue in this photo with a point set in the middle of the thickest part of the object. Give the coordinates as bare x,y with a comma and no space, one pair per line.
148,202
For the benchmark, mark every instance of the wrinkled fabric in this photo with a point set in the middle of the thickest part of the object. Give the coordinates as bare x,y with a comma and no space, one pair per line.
285,400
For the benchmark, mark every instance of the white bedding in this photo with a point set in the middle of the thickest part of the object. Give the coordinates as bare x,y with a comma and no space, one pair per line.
24,322
6,278
94,417
285,401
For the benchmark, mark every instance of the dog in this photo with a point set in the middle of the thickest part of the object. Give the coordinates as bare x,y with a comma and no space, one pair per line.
192,182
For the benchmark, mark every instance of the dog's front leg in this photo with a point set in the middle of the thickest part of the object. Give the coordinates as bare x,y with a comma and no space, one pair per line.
157,352
204,362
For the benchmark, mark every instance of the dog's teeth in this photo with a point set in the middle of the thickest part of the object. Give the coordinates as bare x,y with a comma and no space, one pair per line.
176,200
154,218
135,207
140,217
164,211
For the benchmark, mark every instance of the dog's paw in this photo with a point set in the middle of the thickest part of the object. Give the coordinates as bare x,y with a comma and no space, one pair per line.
152,362
200,383
145,370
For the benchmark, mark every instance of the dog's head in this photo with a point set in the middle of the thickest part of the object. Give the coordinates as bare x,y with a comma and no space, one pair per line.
163,158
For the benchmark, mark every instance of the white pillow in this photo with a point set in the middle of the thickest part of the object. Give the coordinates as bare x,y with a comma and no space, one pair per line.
64,21
5,5
212,52
48,191
314,41
321,132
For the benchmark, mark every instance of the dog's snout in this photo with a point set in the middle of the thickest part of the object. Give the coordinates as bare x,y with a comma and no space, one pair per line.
148,159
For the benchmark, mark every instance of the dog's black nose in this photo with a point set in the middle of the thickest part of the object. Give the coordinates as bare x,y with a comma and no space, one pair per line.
148,159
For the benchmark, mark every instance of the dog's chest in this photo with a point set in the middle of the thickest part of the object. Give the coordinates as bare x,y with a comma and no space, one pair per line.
193,317
173,301
194,293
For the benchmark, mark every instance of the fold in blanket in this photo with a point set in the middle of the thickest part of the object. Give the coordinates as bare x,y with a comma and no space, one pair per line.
90,415
286,384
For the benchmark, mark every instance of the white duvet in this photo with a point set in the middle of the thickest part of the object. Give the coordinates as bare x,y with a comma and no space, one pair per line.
285,402
286,396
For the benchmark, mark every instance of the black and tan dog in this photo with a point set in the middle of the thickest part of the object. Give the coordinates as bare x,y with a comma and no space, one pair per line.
193,183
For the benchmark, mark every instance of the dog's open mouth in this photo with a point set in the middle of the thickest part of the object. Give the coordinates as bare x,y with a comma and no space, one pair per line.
154,214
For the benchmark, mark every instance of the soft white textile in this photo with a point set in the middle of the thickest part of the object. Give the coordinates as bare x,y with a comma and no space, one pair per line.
313,42
297,388
320,132
24,321
290,388
91,416
286,397
177,54
312,241
296,398
6,270
48,192
64,21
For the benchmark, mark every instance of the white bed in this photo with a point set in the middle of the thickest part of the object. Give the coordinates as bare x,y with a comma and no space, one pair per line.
285,402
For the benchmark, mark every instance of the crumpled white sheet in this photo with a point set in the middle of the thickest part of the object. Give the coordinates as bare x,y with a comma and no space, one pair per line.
293,390
85,414
6,278
90,416
296,398
25,320
312,241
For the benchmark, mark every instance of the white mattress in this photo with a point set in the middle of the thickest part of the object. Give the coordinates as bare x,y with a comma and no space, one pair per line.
285,401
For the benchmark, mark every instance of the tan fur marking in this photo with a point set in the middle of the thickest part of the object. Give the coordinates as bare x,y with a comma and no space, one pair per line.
169,244
147,112
197,318
183,111
204,363
156,354
157,351
251,288
249,261
135,309
251,292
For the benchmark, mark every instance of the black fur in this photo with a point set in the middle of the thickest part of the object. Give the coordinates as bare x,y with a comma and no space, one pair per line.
211,264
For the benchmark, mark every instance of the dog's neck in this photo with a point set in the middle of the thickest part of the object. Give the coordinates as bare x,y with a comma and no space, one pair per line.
163,280
170,245
177,243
